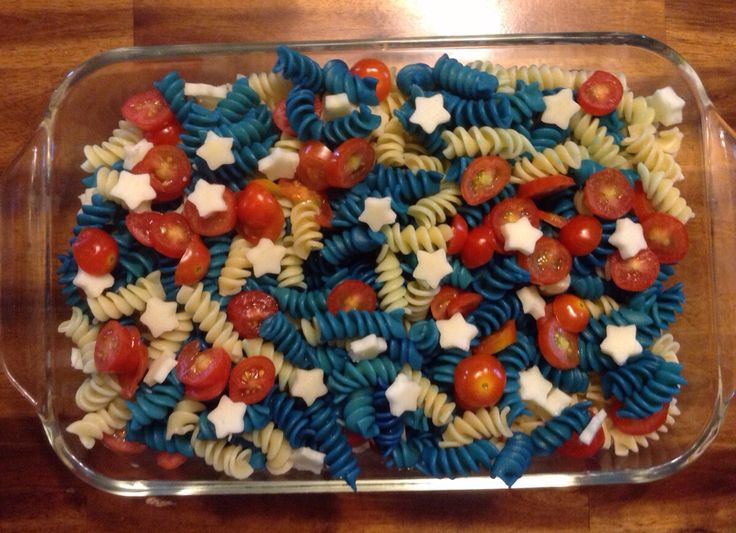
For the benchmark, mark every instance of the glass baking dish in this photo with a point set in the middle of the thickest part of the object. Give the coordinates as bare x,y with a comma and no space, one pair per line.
39,199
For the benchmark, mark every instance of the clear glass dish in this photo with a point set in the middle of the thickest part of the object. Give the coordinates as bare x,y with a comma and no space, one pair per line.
39,199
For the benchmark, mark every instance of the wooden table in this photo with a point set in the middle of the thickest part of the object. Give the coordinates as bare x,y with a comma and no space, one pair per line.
41,40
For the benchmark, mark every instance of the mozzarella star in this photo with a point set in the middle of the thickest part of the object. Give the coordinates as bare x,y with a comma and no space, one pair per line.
620,343
278,164
531,302
559,108
160,369
336,106
308,385
403,395
208,198
133,189
160,316
86,197
432,267
92,285
430,112
308,460
456,332
266,257
667,106
628,238
216,151
366,348
377,213
227,417
132,155
520,236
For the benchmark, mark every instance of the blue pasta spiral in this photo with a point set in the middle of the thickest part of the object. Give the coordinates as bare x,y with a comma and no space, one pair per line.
359,123
419,74
339,79
365,374
154,436
589,287
625,380
171,87
460,276
495,111
489,316
301,114
342,246
348,324
97,214
329,358
290,419
300,304
570,380
554,432
299,69
404,351
455,462
390,427
359,413
66,273
514,459
154,403
238,101
525,101
403,184
426,337
463,81
442,370
285,338
501,275
433,142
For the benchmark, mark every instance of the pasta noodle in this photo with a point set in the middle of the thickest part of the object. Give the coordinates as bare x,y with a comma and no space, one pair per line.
111,151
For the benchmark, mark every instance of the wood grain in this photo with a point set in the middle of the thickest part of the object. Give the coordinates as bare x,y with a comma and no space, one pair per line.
41,40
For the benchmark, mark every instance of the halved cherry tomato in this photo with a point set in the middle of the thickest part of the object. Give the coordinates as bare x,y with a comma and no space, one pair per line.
169,134
147,110
314,158
511,210
203,373
459,235
479,381
95,251
170,235
113,350
251,379
259,214
464,303
572,447
498,340
169,170
247,309
139,225
600,94
608,194
553,219
116,442
634,274
376,69
216,223
193,264
544,186
282,121
558,347
581,235
169,460
637,426
479,247
351,294
484,178
297,192
666,237
129,381
441,300
549,263
351,163
641,204
570,312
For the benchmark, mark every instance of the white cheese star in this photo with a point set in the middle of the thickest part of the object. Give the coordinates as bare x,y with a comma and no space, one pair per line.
279,164
92,285
556,402
336,106
377,213
77,363
366,348
308,384
403,395
432,267
308,460
227,417
134,154
520,236
628,238
208,198
531,302
586,436
559,108
540,393
620,343
160,316
455,332
86,197
430,112
216,151
160,369
133,189
667,106
197,90
265,257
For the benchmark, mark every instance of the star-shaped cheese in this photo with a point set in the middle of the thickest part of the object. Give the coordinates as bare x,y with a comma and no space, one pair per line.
620,343
432,267
308,460
265,257
430,112
377,213
227,417
667,106
556,288
77,363
586,436
455,332
556,402
308,384
92,286
520,236
86,197
559,108
531,302
533,387
336,106
133,189
628,238
279,164
208,198
216,151
159,316
160,369
403,395
367,347
197,90
134,154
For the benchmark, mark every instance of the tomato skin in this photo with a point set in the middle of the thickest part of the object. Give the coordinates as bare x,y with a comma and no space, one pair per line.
147,110
350,295
116,442
484,178
464,303
549,263
351,163
140,224
170,461
666,237
581,235
297,192
259,214
498,340
314,159
113,349
247,309
441,300
545,186
170,235
193,265
511,210
373,68
553,219
251,379
282,121
95,251
608,194
634,274
129,381
572,447
641,205
479,247
637,426
169,170
570,312
479,381
217,223
600,93
558,347
203,373
169,134
459,235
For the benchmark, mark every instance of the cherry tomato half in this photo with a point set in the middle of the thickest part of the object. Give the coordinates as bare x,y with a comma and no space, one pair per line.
641,204
117,442
351,163
608,194
247,309
570,312
549,263
169,134
484,178
511,210
140,224
314,159
572,447
633,274
600,94
169,460
169,170
170,235
464,303
350,295
459,235
193,265
251,379
95,251
558,347
479,247
204,373
581,235
479,381
129,381
113,349
376,69
259,214
666,237
544,186
553,219
216,223
498,340
441,300
297,192
637,426
147,110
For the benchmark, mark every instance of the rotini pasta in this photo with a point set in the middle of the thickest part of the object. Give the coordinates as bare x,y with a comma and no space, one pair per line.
104,421
83,335
170,342
641,145
271,87
474,141
602,148
97,391
487,423
184,418
435,209
128,299
664,195
111,151
306,230
236,268
231,459
392,294
411,239
418,298
557,160
292,273
434,403
274,444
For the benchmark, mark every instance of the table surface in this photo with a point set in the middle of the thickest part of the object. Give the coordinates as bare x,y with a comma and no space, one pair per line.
42,39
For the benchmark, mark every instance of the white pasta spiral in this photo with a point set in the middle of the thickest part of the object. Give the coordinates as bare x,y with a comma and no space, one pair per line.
417,162
310,331
474,425
292,274
236,268
270,87
601,306
667,347
602,147
507,143
392,294
623,444
184,418
548,77
231,459
306,230
418,297
635,109
435,209
127,300
285,371
412,239
97,391
274,444
391,144
288,142
83,335
104,421
111,151
434,403
669,141
664,195
170,341
105,180
643,148
557,160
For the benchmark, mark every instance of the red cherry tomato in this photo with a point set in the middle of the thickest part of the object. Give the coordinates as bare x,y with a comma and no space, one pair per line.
113,349
376,69
553,219
464,303
600,94
637,426
169,170
666,237
170,461
570,312
282,121
498,340
147,110
251,379
215,224
441,300
572,447
95,251
459,235
259,214
351,163
549,263
203,373
129,381
171,235
545,186
314,159
116,442
633,274
297,192
193,265
558,347
641,204
511,210
484,178
247,309
608,194
169,134
139,225
581,235
350,295
479,247
479,381
354,440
